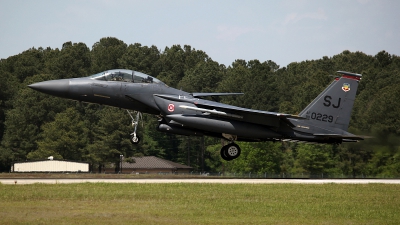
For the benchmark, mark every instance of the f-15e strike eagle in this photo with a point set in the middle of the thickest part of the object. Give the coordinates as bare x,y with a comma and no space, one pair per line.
324,120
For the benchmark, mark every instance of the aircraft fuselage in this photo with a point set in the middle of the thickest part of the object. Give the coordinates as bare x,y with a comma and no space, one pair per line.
323,121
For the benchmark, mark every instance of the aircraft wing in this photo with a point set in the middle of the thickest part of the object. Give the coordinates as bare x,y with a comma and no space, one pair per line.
198,95
245,114
217,109
239,110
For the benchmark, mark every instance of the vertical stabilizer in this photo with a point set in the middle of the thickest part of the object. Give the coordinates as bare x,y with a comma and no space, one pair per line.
332,108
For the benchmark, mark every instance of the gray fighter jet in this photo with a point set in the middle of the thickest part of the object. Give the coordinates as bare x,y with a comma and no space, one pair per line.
324,120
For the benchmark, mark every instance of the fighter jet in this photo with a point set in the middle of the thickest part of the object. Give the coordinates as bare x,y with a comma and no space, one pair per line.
324,120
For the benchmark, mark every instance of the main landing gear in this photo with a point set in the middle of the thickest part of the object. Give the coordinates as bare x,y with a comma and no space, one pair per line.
230,151
134,138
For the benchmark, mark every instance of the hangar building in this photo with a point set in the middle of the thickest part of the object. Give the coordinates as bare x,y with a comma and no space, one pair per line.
55,166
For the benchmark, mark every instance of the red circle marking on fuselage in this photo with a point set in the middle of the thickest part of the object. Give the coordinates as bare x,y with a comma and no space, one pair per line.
171,107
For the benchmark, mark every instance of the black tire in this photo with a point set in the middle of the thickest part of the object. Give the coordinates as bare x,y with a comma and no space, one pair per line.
135,140
223,152
230,152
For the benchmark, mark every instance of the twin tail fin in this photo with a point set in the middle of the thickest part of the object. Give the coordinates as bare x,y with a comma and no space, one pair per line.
333,106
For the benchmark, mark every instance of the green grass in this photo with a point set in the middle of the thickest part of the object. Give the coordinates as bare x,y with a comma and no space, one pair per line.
184,203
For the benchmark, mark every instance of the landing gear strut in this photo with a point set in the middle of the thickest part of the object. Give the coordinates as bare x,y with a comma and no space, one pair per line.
134,138
230,152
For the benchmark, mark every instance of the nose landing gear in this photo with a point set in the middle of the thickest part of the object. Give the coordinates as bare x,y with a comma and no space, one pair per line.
134,138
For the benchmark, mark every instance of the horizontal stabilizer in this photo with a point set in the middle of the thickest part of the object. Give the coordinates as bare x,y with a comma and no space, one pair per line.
341,136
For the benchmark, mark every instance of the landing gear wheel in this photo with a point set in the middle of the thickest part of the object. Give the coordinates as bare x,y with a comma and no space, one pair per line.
233,151
230,152
134,139
222,152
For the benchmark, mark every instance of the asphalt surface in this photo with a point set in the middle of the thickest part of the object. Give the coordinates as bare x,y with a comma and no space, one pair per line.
219,181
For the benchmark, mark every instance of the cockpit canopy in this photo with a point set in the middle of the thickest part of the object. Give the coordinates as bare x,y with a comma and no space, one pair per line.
123,75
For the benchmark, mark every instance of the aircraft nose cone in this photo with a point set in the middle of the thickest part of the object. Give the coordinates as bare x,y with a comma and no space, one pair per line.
52,87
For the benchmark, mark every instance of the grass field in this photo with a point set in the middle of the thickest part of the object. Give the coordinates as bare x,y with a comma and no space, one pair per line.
183,203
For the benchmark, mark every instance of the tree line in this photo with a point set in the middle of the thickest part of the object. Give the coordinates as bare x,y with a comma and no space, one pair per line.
34,126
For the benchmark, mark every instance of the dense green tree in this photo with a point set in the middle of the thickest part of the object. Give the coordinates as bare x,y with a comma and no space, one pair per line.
31,109
13,71
354,158
234,81
141,58
375,109
288,158
385,162
26,64
111,137
175,61
8,87
299,84
383,155
74,60
315,159
356,62
384,59
203,77
105,54
256,80
257,158
66,137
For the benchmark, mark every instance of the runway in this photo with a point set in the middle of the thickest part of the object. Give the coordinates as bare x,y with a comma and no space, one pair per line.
216,181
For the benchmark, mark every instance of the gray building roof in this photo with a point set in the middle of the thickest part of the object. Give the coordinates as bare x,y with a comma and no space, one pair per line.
152,162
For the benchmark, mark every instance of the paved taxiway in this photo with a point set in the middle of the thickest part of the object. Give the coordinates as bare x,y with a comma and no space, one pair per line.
219,181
